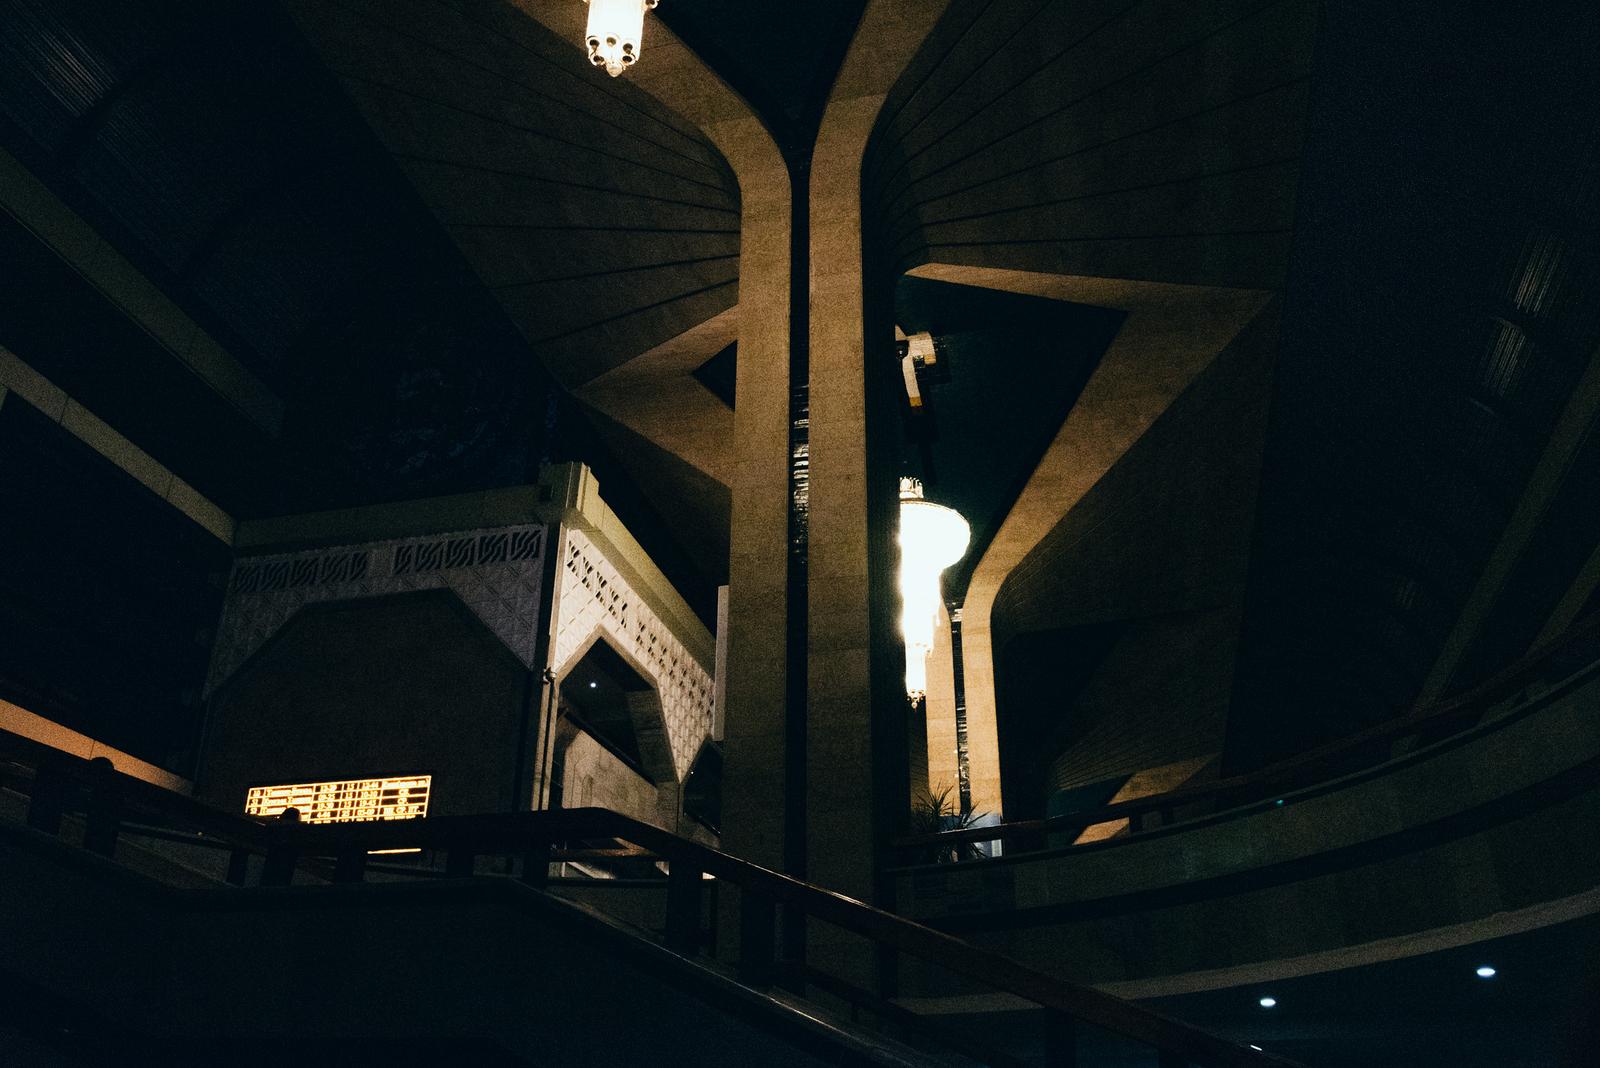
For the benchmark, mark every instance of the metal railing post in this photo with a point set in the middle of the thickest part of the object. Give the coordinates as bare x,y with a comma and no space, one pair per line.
683,908
283,854
350,864
238,867
104,818
536,863
757,933
48,795
460,862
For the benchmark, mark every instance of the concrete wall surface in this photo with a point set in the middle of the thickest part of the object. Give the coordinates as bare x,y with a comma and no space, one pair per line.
1158,141
401,685
596,778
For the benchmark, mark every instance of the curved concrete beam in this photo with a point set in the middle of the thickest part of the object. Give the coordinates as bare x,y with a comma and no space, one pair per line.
1171,334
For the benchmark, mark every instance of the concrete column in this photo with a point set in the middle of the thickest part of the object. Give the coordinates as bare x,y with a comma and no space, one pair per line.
753,784
939,734
753,781
842,765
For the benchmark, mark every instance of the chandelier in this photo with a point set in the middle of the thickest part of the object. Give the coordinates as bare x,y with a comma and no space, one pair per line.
615,28
932,537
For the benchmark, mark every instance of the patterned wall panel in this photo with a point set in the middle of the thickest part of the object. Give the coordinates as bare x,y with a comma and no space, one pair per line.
497,573
594,595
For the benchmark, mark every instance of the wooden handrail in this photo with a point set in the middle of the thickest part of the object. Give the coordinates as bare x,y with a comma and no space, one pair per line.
136,793
533,835
1290,773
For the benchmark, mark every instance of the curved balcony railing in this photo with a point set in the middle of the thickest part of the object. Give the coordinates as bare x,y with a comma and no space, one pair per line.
1560,660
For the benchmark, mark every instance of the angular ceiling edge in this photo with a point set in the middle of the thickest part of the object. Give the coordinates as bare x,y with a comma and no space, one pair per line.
657,396
1171,334
695,507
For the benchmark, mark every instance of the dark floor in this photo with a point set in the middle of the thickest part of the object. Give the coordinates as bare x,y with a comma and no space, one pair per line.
1541,1007
1539,1010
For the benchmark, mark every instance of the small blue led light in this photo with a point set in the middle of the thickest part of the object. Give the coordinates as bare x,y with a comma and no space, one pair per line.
1268,1002
1486,972
1279,801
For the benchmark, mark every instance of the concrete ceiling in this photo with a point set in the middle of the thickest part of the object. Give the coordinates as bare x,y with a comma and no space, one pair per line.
781,57
603,223
386,199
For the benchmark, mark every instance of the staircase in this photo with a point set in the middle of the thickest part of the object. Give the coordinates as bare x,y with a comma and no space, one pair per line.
144,927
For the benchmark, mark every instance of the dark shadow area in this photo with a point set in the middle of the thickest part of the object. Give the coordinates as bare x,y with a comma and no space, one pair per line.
1540,1008
594,694
108,596
1441,303
1038,679
1010,368
720,373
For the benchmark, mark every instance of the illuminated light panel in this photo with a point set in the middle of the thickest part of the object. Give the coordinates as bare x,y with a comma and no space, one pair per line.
352,801
932,537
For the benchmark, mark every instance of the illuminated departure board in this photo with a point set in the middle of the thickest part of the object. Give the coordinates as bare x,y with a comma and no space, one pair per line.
402,798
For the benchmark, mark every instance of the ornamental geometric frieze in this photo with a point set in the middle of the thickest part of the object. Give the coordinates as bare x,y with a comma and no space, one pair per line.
496,573
594,595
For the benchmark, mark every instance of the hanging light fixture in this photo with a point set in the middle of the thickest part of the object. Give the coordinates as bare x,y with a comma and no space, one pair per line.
615,29
932,537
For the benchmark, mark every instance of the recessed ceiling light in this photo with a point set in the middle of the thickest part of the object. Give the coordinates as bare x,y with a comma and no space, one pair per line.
592,685
1486,972
1268,1002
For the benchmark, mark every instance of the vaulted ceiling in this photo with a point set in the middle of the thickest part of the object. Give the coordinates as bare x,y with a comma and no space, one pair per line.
445,248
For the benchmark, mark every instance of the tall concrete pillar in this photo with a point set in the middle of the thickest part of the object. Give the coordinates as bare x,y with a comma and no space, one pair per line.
852,499
754,727
753,782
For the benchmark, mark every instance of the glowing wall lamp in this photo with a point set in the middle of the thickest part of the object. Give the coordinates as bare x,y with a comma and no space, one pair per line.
615,29
932,537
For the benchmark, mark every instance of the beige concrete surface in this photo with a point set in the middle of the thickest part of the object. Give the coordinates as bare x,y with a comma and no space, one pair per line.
840,758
